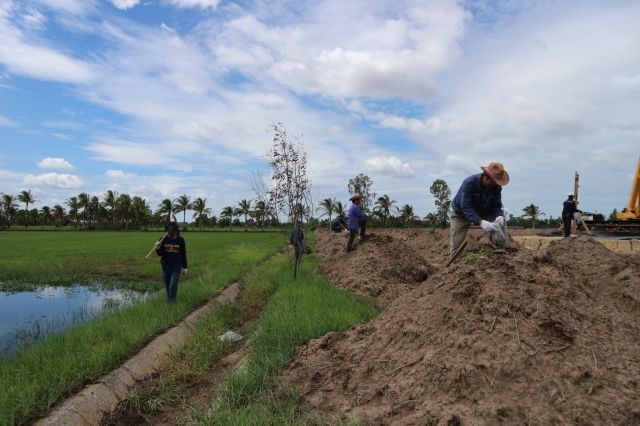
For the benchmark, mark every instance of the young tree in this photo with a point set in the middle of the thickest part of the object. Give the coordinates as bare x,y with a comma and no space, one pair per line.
327,206
27,198
532,211
385,207
362,184
442,194
183,203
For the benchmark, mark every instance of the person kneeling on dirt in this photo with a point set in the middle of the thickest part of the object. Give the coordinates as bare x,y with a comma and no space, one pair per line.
479,202
569,209
357,220
173,252
338,224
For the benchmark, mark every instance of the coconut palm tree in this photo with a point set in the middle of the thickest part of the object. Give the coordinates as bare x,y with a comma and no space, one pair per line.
166,207
532,211
260,212
93,209
407,215
201,211
339,208
83,199
140,211
74,205
227,213
58,214
124,209
110,198
385,206
10,206
245,207
45,214
27,198
183,203
327,206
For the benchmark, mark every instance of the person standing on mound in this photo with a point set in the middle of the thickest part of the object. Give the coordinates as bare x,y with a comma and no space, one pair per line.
478,202
357,220
173,258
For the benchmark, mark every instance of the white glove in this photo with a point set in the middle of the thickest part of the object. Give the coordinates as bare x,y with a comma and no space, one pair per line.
184,272
487,226
499,221
158,245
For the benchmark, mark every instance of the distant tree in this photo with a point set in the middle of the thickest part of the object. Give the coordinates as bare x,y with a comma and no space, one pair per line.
245,207
84,200
327,206
10,206
58,214
183,203
27,198
260,211
407,214
45,214
227,214
442,195
93,209
200,209
165,209
614,215
431,219
532,211
124,209
140,211
74,206
110,198
339,209
362,184
385,206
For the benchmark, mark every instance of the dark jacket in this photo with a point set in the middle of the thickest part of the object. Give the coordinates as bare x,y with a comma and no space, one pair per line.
338,223
173,253
569,207
474,201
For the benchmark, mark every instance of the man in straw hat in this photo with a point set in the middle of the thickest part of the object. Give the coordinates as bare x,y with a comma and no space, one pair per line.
357,220
479,202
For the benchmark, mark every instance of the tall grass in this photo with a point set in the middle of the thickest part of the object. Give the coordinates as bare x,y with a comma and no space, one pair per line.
298,311
40,375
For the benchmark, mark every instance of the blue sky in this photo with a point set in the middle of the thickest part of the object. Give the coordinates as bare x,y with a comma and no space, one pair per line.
165,97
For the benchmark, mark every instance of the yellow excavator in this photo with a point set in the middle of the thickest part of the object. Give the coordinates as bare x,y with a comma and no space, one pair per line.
632,211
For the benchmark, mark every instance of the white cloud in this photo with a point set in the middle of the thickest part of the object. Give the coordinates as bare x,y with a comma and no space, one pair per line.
54,180
389,166
120,175
71,7
6,122
195,3
459,164
55,163
125,4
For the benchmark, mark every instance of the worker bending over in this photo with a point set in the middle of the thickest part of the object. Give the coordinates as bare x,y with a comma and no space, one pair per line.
357,220
569,209
479,202
339,223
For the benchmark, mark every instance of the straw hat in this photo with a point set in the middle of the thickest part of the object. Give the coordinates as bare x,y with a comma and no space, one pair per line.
355,197
497,173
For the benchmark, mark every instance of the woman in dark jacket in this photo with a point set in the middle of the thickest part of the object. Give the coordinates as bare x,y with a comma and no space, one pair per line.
173,258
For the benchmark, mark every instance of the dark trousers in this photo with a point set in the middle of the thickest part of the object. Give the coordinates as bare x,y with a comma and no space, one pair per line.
566,223
353,232
171,276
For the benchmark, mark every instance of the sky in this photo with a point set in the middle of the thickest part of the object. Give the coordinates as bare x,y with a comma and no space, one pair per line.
163,97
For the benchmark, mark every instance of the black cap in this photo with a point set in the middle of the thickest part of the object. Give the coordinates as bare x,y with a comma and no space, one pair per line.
172,226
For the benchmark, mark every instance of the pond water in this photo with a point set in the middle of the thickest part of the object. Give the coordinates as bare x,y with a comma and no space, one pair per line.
28,316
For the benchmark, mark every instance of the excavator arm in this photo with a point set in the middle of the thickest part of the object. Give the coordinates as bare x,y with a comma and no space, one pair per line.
632,211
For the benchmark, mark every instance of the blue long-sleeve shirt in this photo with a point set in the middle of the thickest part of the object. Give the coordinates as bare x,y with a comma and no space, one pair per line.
355,215
173,253
473,200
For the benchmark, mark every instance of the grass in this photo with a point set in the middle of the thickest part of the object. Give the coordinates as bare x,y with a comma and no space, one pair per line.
31,258
298,311
42,374
473,257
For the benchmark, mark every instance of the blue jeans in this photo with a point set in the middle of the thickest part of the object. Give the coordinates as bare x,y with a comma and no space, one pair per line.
171,276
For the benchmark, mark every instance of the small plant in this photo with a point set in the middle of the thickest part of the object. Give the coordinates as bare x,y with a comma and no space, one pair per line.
475,256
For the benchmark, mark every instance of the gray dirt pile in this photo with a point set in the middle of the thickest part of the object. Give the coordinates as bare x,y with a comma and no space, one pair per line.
551,338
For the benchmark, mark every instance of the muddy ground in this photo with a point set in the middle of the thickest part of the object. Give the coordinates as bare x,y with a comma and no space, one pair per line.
523,338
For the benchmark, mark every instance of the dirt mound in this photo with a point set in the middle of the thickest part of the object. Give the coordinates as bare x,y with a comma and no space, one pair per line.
381,266
516,339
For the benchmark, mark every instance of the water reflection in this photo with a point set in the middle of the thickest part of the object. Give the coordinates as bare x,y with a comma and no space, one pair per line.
28,316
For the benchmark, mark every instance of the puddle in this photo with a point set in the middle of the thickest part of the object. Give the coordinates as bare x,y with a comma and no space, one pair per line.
29,316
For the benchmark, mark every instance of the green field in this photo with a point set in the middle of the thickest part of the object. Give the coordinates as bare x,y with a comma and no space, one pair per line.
31,258
42,374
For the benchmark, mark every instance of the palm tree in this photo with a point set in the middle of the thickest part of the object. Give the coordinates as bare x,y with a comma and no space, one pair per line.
83,199
406,214
45,213
110,199
339,209
200,209
140,211
93,208
245,207
27,198
166,207
533,212
328,206
183,203
384,206
10,206
260,212
227,213
74,206
124,209
58,213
